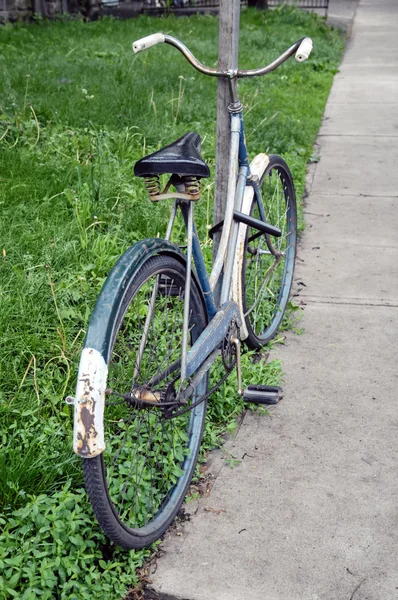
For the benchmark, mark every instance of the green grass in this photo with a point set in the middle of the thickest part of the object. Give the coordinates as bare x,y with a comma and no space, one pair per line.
77,109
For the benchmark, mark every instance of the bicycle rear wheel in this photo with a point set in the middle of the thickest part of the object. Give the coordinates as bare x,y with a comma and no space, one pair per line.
268,262
137,485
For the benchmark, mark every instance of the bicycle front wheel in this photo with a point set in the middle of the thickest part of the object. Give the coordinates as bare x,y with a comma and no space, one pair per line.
137,485
268,262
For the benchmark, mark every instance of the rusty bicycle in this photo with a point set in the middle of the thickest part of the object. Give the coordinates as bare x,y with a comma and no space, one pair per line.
157,327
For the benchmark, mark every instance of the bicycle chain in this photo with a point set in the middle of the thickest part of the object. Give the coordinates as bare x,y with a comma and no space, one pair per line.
203,398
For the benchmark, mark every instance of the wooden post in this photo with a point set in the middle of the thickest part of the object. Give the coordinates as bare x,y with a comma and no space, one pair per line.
228,45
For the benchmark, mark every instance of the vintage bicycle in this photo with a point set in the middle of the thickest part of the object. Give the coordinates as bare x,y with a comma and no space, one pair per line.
157,327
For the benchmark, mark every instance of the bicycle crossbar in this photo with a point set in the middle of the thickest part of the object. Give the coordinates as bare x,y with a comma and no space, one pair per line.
252,222
257,224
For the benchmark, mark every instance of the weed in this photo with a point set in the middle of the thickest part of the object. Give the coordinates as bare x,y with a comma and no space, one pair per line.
71,560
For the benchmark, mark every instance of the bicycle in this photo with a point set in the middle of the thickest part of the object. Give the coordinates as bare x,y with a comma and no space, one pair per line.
157,328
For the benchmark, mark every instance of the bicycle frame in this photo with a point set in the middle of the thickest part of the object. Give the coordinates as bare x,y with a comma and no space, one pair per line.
243,180
229,256
230,252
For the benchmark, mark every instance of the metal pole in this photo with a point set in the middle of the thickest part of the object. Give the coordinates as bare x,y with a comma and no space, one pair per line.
228,45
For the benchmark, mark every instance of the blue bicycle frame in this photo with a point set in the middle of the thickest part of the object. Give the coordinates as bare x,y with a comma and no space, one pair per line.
224,313
227,312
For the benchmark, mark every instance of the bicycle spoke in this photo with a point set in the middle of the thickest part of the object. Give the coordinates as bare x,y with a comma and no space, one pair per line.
146,455
266,258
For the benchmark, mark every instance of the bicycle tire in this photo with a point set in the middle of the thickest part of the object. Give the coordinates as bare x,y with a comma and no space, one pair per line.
264,304
136,500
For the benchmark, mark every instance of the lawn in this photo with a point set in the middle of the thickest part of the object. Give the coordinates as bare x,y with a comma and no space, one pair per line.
77,109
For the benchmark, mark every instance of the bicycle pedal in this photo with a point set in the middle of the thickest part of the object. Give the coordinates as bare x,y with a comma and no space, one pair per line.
262,394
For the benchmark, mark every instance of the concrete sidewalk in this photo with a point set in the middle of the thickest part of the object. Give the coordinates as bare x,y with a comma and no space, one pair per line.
311,511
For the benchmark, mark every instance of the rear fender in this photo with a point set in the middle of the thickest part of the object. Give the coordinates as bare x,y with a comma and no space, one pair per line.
257,168
89,403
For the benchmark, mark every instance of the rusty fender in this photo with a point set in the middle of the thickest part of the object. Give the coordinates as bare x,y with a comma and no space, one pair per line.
89,402
257,168
88,431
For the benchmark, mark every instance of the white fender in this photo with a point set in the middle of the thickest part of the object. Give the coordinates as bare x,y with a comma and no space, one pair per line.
89,403
257,168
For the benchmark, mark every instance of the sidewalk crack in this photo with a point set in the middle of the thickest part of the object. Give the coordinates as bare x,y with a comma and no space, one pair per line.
347,301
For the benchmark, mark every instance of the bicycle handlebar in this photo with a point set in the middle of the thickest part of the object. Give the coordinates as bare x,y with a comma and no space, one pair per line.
302,48
147,42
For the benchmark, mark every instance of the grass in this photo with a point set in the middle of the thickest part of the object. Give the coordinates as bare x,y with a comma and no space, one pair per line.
77,109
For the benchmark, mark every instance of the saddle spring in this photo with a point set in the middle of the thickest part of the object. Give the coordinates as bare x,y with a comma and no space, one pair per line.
188,187
192,185
152,184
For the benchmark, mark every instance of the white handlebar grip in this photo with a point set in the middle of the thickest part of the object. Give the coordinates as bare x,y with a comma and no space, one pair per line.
304,50
147,42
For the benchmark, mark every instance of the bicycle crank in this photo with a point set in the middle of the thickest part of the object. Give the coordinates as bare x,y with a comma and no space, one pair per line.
255,394
236,343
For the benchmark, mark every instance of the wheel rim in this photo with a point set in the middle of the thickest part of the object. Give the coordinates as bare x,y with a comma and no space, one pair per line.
267,278
149,458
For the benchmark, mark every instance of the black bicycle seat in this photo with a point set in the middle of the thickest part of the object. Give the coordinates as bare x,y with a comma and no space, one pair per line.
181,157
